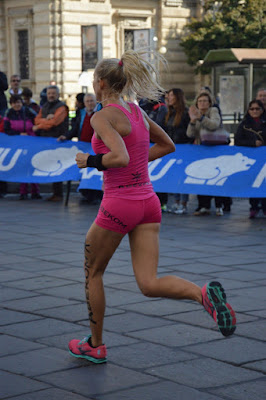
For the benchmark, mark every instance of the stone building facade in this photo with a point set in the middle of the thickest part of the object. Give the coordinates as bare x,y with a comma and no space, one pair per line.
55,40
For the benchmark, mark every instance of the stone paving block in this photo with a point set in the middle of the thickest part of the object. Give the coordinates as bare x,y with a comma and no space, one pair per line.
97,379
204,373
261,313
115,297
13,345
259,366
75,313
50,394
203,319
111,278
36,252
12,385
254,330
231,287
37,266
7,293
9,274
111,339
227,260
12,317
162,307
246,276
258,267
130,321
71,274
235,349
202,268
7,259
38,362
40,328
159,391
64,258
146,355
38,303
256,292
176,335
244,391
38,282
246,304
72,291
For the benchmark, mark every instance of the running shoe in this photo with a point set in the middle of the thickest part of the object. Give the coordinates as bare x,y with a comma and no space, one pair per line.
214,301
82,349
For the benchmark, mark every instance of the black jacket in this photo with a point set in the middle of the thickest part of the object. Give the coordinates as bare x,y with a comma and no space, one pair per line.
3,88
178,133
249,131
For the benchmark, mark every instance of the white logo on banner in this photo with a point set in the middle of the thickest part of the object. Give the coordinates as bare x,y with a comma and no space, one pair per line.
215,171
54,162
3,153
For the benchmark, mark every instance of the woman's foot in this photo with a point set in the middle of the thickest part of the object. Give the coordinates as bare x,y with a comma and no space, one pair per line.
214,301
83,349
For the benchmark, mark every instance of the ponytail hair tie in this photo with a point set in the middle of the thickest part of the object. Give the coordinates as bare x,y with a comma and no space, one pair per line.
120,62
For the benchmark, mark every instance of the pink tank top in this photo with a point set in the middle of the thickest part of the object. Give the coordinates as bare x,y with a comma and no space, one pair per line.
131,182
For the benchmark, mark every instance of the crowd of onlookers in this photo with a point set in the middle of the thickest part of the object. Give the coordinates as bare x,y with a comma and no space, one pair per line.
21,115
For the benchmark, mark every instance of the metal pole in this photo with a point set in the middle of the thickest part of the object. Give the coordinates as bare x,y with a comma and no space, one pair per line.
250,81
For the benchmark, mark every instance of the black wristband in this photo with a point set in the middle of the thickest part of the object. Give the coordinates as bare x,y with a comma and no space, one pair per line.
96,162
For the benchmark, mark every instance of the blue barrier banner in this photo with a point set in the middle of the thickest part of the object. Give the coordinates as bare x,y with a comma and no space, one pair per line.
212,170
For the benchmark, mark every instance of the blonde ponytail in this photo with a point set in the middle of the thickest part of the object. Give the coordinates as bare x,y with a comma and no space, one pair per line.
132,74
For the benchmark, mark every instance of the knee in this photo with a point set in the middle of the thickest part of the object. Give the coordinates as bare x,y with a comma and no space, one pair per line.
147,289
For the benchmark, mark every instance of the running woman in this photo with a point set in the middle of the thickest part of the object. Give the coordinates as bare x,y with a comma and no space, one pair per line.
121,142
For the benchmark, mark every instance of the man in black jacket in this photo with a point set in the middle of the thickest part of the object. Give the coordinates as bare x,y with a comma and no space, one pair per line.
3,88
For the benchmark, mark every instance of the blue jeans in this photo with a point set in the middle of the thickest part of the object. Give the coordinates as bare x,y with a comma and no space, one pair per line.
181,197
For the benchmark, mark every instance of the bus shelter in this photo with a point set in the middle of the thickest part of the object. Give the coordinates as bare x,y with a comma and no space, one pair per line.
237,74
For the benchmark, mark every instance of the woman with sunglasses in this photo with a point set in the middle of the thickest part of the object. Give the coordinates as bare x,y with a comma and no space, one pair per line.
251,132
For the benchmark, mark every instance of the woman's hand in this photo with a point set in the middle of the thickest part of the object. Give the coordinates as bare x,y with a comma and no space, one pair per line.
194,113
24,134
81,159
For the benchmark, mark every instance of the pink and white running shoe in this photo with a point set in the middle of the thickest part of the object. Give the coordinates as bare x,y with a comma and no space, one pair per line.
82,349
214,301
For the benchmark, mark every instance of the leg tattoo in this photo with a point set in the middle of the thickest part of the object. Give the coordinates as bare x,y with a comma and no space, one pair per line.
86,269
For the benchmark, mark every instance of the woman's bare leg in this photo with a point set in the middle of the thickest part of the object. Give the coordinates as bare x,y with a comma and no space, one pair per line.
100,245
144,243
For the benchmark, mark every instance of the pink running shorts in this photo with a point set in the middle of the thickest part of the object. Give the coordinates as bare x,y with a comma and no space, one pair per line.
123,215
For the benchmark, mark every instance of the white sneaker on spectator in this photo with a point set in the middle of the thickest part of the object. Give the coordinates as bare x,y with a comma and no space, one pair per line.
181,209
219,212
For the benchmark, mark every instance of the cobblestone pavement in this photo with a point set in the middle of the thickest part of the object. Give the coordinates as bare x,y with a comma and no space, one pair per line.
158,349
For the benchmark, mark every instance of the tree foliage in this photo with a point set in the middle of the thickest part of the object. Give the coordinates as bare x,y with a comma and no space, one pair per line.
224,24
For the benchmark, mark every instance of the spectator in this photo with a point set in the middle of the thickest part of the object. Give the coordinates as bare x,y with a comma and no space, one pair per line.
84,131
28,101
52,121
156,110
203,115
79,106
19,121
82,128
226,201
3,88
251,132
43,94
261,95
176,123
14,87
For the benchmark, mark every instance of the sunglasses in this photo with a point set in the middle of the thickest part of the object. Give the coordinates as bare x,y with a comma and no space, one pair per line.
15,80
255,109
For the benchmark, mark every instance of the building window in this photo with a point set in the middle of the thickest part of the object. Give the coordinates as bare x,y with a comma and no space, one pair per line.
23,53
91,46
